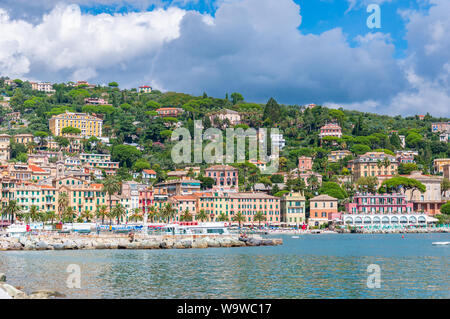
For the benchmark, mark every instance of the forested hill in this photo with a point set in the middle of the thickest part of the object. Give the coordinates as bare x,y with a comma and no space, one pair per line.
131,117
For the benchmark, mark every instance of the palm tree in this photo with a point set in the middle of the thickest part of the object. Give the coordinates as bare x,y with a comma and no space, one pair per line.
34,213
63,202
102,212
168,212
118,212
259,217
68,214
386,162
50,215
12,210
152,213
186,216
111,186
239,218
202,215
137,215
222,217
87,215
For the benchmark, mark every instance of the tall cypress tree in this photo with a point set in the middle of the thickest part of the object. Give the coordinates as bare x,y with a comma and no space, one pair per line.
272,111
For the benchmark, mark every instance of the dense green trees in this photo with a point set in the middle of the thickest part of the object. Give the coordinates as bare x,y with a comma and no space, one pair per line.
334,190
398,183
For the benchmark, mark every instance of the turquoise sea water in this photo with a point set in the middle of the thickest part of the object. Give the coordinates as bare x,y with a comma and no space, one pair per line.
313,266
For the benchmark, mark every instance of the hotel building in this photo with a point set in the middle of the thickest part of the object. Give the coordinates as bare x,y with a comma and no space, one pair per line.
88,124
372,164
381,209
248,204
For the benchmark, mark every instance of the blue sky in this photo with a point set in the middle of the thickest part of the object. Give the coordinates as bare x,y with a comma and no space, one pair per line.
317,16
256,47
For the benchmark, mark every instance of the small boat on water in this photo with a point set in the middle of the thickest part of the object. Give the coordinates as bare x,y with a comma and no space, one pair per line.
295,237
441,243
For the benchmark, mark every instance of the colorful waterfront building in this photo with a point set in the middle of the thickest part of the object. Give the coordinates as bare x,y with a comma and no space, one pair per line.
321,209
382,209
293,208
248,204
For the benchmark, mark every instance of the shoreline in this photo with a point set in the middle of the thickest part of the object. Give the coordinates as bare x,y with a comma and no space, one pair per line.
93,242
357,231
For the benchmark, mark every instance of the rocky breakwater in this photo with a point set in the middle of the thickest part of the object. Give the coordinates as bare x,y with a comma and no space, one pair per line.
143,242
10,292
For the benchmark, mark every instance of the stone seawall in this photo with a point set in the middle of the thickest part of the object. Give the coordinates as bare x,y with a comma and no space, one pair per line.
115,242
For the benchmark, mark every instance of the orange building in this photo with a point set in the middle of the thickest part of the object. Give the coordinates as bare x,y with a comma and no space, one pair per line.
321,209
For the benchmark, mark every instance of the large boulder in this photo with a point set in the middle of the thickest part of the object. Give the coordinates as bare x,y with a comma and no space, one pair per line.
150,244
58,246
41,245
199,243
69,244
45,294
134,245
213,243
13,292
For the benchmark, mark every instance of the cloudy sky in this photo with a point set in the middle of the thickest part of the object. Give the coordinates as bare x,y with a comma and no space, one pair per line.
297,51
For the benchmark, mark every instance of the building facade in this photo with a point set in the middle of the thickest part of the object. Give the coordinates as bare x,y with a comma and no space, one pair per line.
293,211
5,140
373,164
331,129
305,163
225,177
89,125
321,209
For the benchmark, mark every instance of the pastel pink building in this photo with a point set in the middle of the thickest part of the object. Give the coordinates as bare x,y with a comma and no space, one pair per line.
145,199
331,129
379,204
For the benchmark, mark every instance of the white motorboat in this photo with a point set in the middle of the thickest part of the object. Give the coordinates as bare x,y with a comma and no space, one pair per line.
441,243
295,237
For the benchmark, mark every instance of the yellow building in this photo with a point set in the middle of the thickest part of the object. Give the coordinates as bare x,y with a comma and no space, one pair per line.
23,138
248,204
373,164
88,124
439,164
293,208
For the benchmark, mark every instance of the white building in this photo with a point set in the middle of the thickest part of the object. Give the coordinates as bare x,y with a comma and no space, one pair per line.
42,86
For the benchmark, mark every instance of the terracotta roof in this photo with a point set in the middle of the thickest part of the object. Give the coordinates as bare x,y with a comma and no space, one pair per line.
184,197
149,171
37,169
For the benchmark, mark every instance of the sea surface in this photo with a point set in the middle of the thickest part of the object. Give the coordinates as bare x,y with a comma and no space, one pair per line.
312,266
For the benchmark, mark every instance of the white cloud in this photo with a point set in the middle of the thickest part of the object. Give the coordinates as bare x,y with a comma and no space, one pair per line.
82,44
